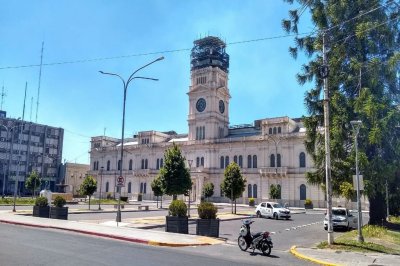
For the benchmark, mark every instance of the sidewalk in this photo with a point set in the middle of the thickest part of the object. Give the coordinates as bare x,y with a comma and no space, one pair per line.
111,230
337,257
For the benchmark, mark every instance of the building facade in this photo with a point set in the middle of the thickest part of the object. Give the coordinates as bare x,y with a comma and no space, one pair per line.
27,147
269,151
74,174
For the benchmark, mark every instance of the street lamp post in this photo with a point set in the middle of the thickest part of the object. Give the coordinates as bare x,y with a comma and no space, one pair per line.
190,190
126,84
101,184
356,128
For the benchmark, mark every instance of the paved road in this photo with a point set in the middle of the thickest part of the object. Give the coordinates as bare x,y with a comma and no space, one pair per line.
28,246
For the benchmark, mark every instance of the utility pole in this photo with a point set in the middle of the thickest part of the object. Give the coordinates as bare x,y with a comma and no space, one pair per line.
324,71
23,109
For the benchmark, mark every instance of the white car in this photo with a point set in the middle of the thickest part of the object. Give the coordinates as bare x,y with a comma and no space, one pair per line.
341,218
272,210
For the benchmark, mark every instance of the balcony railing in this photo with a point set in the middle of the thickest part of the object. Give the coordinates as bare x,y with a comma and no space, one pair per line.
274,171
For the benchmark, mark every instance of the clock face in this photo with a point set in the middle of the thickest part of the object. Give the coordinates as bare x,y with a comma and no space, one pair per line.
201,105
221,106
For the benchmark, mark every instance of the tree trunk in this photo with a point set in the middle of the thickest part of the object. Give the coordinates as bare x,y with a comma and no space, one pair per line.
157,202
161,202
235,206
174,197
377,208
89,202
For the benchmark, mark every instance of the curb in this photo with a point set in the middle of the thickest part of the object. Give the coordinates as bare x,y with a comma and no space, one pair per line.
128,239
303,257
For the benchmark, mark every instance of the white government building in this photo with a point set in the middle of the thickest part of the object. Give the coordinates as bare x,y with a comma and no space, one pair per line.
269,151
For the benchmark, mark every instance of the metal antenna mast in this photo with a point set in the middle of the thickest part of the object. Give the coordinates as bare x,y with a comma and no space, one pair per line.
3,95
23,109
30,117
40,77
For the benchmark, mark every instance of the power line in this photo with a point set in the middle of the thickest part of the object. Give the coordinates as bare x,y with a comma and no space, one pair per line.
145,54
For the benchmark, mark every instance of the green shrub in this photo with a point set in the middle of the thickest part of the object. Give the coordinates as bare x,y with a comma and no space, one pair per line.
59,202
207,210
177,208
308,202
41,202
125,199
109,195
251,201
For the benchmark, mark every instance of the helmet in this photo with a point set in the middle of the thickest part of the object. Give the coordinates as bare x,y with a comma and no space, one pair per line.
243,230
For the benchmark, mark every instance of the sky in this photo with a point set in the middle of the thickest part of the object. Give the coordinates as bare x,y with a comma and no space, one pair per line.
83,37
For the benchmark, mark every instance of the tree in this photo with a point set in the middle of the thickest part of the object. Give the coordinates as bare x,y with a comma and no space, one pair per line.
156,186
275,191
175,176
208,190
362,40
88,187
33,182
234,183
347,191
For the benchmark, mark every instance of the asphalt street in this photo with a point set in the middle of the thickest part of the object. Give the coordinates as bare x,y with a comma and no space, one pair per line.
33,246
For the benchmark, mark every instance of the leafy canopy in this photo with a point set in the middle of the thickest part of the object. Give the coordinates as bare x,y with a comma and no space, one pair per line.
362,41
234,183
174,175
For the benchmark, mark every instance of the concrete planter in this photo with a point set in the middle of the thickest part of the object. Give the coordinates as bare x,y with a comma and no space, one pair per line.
308,206
207,227
176,224
59,213
40,211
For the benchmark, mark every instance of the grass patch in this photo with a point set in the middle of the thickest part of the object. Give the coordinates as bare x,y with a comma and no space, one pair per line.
18,201
105,201
376,239
394,219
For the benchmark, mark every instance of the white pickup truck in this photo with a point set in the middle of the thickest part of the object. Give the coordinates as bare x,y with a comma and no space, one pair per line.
272,210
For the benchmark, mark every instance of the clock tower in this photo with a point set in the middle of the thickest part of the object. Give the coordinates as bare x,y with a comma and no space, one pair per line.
208,93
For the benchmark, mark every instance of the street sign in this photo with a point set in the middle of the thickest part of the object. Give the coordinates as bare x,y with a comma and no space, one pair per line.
120,181
355,182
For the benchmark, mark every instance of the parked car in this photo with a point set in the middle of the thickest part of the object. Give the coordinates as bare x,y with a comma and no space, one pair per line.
341,218
272,210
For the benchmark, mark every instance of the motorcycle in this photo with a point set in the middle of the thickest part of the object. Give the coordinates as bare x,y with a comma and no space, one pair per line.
261,240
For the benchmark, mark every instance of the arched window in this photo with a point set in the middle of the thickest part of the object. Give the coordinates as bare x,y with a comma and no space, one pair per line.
108,165
302,158
303,192
107,186
129,187
142,166
249,195
278,187
144,188
249,161
119,164
161,162
274,130
278,160
146,165
197,161
130,164
235,159
221,162
94,166
279,130
270,131
272,160
254,161
202,161
241,161
254,191
141,187
226,161
158,164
